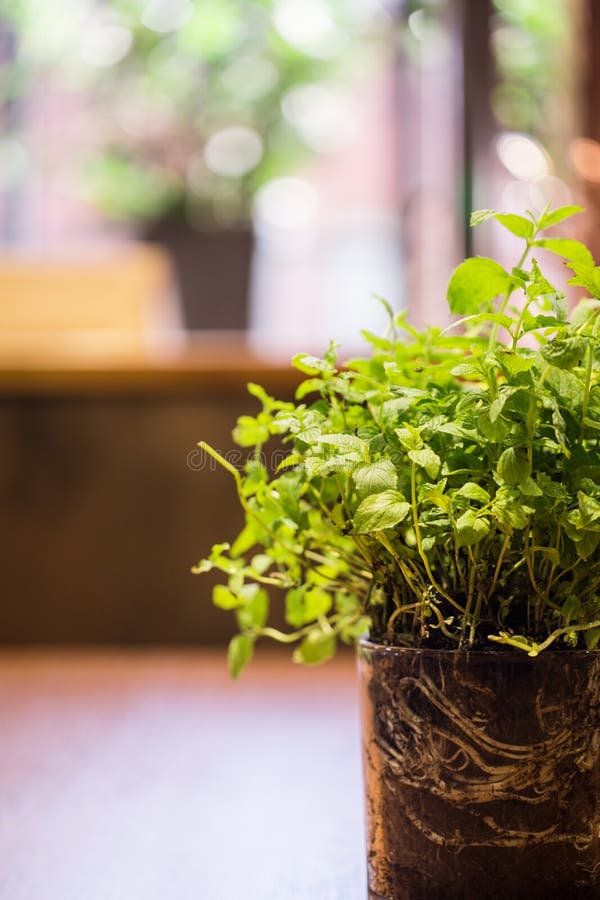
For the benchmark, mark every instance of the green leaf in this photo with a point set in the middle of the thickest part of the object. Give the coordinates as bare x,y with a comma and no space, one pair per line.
353,630
473,491
294,459
592,636
317,647
255,609
585,310
479,216
560,307
380,511
517,225
427,459
566,248
224,599
345,442
311,365
558,215
305,604
379,476
589,509
474,284
467,370
513,361
317,603
471,528
564,352
437,498
260,563
239,653
409,437
250,431
492,431
530,488
587,277
256,390
294,606
587,544
514,466
309,386
509,510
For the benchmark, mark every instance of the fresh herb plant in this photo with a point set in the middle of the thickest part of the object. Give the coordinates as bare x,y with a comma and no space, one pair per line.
443,492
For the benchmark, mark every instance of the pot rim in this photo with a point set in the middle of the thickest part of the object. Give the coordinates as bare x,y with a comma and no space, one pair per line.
366,643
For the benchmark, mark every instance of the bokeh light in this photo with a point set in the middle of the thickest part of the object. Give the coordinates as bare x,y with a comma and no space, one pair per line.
286,203
233,151
522,155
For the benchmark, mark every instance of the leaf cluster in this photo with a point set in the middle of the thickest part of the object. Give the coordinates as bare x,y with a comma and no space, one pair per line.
443,491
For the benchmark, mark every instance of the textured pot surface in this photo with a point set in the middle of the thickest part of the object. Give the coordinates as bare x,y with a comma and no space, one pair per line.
482,773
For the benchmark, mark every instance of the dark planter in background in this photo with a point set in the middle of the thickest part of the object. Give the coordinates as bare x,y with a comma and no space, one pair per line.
482,773
212,270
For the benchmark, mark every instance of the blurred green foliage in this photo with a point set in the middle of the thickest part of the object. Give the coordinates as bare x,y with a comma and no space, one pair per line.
530,40
163,77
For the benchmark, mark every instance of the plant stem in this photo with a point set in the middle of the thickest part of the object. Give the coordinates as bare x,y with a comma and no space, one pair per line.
499,562
494,335
422,554
589,366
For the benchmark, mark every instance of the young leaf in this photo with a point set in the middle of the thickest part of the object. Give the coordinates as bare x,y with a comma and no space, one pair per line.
311,365
589,509
304,605
239,653
518,225
479,216
508,509
471,528
317,647
409,437
309,386
474,284
224,599
592,636
250,431
427,459
587,277
380,511
564,352
345,442
558,215
255,609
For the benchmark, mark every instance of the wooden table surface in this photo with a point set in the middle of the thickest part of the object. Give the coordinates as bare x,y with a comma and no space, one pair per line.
150,776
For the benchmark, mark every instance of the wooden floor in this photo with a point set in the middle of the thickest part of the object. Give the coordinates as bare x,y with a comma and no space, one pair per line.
150,776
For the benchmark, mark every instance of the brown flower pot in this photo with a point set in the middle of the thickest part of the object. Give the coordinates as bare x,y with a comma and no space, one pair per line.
482,773
212,269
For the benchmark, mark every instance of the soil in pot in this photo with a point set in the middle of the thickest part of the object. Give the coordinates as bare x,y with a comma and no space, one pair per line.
482,773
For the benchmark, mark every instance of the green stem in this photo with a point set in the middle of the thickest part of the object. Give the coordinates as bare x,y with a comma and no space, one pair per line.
560,631
588,379
422,554
494,335
408,575
499,562
240,492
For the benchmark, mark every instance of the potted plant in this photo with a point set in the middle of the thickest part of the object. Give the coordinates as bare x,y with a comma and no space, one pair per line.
440,505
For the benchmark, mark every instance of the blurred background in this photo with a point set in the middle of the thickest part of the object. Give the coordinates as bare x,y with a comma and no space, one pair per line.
192,190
